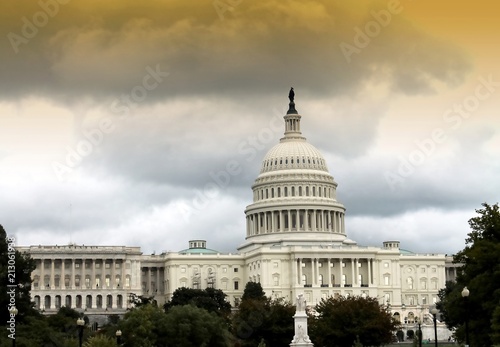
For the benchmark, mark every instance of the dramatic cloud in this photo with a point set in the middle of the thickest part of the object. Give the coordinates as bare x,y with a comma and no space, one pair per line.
145,123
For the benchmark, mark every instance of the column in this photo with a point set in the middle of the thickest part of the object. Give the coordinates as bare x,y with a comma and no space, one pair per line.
148,284
341,272
92,279
329,282
337,219
282,227
113,274
42,276
306,220
314,279
356,273
72,278
369,263
352,273
52,270
294,273
273,222
317,271
300,272
158,280
122,280
62,280
266,225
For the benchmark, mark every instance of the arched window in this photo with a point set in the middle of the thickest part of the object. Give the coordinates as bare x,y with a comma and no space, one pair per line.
98,301
47,302
67,301
88,301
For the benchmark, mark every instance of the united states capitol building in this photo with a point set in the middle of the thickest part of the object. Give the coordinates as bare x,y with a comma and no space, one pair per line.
296,242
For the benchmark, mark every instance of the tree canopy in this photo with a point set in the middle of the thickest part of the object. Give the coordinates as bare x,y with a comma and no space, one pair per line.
210,299
480,273
340,321
263,320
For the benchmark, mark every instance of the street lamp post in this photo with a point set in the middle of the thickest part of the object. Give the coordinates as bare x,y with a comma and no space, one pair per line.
419,332
118,337
13,310
434,312
80,323
465,295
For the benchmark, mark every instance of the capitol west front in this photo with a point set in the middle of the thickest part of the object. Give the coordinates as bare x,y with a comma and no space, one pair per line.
295,243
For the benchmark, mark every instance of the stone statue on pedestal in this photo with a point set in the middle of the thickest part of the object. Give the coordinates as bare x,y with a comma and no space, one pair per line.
301,338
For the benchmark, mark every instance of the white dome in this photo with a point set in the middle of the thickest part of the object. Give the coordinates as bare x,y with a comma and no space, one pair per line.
293,154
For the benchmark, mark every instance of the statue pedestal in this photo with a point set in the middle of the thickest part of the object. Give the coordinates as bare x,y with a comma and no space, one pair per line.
301,338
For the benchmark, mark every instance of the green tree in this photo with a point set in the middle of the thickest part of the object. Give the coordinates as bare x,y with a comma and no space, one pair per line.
141,300
100,341
480,273
142,326
189,325
340,320
253,291
260,319
15,280
210,299
64,321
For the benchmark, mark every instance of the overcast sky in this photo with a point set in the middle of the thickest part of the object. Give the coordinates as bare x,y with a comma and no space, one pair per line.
145,123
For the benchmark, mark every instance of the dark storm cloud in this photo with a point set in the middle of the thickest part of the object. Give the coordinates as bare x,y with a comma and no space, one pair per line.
107,51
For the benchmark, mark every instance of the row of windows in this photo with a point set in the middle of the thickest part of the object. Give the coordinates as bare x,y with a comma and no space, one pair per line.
224,284
270,193
296,160
68,302
209,270
77,279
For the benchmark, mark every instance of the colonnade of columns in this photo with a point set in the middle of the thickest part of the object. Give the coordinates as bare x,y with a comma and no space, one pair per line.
153,280
295,220
75,273
333,272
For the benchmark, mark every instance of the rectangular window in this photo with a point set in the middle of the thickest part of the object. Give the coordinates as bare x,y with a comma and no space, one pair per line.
236,285
235,269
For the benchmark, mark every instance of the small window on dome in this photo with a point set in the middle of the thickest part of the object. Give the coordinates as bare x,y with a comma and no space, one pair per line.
303,160
309,160
292,161
286,161
276,162
281,161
